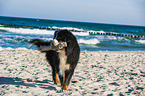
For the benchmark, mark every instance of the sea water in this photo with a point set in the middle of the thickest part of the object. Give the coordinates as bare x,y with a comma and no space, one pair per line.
16,33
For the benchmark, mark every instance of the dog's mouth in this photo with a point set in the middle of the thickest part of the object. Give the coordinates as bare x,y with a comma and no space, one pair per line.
59,41
56,42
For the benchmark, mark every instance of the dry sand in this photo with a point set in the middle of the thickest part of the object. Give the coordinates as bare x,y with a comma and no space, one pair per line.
27,73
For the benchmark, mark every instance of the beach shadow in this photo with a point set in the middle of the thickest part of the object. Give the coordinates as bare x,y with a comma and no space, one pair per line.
14,81
45,84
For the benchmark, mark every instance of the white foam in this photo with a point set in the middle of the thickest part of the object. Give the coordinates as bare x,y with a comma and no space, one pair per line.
78,31
90,41
44,31
28,31
21,48
140,41
81,33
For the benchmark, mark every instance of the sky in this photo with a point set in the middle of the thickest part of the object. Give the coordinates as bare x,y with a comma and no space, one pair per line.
126,12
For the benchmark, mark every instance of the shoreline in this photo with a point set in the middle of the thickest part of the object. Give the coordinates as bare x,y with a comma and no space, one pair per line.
26,72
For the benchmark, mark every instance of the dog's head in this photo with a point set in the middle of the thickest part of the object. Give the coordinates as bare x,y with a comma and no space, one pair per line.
63,36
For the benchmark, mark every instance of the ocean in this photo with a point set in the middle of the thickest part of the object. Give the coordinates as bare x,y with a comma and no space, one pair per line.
16,33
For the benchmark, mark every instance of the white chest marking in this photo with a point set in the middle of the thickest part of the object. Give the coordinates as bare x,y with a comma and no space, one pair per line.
62,65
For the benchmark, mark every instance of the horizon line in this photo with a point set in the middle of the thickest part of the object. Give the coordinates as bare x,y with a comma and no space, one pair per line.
72,20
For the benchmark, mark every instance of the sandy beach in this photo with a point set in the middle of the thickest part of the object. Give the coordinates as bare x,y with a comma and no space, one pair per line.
101,73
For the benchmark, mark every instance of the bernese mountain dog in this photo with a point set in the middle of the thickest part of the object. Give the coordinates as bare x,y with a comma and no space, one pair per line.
62,53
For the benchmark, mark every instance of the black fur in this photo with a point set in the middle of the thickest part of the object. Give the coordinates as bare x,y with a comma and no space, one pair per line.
72,52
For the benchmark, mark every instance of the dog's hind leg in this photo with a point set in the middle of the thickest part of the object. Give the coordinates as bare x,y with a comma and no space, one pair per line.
55,77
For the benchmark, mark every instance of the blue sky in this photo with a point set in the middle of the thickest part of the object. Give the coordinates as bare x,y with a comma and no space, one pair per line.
128,12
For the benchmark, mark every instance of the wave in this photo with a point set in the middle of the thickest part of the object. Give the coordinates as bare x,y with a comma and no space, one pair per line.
68,28
48,28
27,31
80,41
89,42
39,31
81,33
140,41
50,31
